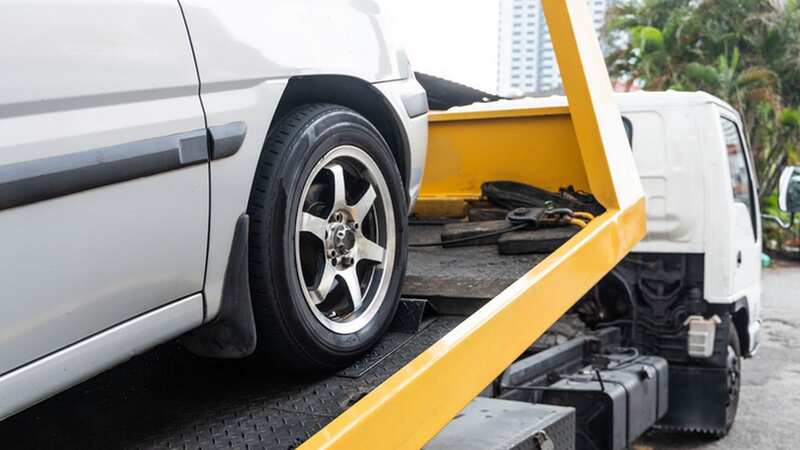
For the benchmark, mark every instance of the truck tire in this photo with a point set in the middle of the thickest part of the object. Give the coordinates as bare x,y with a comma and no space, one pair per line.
328,239
734,380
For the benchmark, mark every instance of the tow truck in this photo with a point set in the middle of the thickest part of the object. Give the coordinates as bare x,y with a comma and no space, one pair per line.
474,357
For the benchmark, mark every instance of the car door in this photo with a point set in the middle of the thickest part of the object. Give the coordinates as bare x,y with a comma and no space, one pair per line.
746,243
104,191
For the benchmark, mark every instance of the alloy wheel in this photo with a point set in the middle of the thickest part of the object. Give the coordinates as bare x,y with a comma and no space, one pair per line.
345,239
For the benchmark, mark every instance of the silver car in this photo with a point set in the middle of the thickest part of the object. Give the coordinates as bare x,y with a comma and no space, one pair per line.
238,172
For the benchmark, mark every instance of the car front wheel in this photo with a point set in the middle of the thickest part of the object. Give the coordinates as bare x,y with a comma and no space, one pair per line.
328,238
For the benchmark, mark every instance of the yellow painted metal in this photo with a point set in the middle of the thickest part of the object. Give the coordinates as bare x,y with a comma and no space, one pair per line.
604,146
415,403
536,146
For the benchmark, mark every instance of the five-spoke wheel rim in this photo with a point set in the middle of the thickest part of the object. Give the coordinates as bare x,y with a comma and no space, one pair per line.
345,240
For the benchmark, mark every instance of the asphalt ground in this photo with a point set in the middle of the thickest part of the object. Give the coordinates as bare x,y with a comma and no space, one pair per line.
769,408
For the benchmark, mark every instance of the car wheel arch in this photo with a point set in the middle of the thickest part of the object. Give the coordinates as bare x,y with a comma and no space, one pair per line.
358,95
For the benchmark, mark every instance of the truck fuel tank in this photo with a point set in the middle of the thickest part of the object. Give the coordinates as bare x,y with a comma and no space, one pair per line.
616,405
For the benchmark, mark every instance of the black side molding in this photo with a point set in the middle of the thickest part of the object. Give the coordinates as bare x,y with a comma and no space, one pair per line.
42,179
232,334
226,140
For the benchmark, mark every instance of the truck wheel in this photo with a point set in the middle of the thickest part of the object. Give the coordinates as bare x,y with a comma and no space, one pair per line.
733,380
328,239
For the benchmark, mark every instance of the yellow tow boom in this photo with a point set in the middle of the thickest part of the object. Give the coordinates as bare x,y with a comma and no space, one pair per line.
583,145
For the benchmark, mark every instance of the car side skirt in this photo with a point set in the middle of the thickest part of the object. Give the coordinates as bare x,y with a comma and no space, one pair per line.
67,367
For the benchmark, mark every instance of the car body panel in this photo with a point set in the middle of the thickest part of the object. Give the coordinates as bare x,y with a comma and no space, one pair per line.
77,264
246,54
416,129
66,367
242,41
96,269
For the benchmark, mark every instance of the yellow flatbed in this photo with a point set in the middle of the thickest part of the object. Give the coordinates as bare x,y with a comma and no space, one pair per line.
415,381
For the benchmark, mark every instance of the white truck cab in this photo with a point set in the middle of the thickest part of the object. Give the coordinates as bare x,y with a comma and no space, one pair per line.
696,170
695,279
690,291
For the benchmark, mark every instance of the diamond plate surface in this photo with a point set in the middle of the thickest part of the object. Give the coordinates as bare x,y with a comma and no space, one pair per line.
169,399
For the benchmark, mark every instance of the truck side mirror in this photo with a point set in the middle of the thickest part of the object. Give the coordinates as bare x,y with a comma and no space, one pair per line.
788,196
789,190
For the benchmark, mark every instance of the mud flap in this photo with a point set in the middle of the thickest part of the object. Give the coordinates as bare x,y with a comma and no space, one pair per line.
233,333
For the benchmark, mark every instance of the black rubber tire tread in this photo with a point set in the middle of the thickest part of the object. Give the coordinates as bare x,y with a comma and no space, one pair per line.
733,341
280,341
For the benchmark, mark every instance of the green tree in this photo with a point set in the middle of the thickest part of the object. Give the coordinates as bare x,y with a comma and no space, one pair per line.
746,52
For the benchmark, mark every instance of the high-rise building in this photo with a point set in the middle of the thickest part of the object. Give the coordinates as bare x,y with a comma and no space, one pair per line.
526,62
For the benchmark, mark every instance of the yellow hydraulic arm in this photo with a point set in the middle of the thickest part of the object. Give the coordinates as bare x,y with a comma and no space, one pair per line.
584,145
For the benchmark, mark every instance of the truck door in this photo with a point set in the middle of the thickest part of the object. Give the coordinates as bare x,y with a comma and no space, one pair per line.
746,224
103,177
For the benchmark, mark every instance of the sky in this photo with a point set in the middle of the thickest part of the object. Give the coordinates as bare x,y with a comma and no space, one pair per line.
453,39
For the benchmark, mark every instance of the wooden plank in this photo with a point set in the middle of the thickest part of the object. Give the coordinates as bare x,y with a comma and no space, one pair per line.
453,231
544,240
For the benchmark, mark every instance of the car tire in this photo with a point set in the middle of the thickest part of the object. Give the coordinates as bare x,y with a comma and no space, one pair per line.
328,225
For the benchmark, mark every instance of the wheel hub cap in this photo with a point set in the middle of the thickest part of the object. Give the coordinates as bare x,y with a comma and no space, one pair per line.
340,241
345,240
